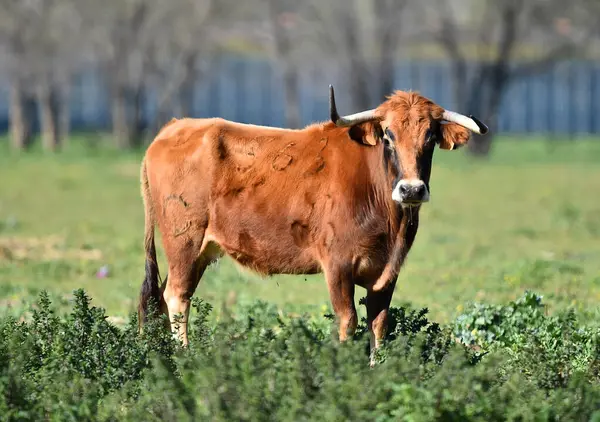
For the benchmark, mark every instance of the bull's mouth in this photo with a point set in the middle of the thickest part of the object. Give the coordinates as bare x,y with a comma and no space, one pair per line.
411,204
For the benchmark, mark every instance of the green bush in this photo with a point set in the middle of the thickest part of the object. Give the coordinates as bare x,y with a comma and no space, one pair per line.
509,362
549,350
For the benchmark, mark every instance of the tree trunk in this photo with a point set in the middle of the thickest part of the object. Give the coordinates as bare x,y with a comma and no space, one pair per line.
187,88
486,94
48,111
137,134
481,145
459,73
386,76
20,117
164,112
283,55
486,110
64,115
185,100
292,97
359,71
386,38
120,118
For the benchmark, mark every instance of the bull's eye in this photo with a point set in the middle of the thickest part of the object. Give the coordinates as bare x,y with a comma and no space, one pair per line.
390,135
430,136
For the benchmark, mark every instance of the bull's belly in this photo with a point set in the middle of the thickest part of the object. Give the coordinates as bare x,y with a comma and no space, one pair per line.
264,255
266,235
276,238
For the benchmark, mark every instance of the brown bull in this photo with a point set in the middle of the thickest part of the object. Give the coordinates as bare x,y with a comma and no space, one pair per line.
340,197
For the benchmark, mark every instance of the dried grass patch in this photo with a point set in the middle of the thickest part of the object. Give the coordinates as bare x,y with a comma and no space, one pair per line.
49,248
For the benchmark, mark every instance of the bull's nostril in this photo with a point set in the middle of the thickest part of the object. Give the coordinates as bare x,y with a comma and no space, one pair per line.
420,191
404,189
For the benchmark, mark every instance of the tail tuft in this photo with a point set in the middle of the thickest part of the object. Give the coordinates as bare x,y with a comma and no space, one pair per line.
150,291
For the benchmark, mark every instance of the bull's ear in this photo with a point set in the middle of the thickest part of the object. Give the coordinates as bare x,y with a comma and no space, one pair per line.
366,133
453,136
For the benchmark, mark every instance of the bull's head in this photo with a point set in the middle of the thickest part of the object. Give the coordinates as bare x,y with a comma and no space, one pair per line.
411,126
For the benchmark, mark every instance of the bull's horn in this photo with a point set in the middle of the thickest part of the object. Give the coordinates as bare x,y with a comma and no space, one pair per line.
471,122
352,119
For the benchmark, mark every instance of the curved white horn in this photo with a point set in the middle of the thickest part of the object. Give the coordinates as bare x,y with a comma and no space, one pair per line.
352,119
471,122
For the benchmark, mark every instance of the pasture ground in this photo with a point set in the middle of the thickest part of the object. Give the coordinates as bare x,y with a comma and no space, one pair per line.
527,218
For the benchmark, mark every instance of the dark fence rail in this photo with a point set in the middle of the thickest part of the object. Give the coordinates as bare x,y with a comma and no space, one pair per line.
565,99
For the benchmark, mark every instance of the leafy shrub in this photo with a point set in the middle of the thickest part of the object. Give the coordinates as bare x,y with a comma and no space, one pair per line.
484,325
550,350
260,364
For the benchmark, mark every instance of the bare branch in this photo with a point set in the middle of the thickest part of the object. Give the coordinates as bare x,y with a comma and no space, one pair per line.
448,33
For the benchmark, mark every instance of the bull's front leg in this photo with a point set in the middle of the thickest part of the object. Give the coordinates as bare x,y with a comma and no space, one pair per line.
378,304
379,295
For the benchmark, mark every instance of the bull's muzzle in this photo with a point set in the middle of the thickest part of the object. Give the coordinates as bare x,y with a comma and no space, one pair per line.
410,192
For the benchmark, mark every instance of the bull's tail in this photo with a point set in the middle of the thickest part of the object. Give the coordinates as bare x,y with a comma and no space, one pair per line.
150,286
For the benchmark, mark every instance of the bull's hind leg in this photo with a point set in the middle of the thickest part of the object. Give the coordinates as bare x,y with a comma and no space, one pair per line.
187,264
341,292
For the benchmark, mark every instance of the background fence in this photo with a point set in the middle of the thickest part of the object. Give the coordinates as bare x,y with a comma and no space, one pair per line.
565,99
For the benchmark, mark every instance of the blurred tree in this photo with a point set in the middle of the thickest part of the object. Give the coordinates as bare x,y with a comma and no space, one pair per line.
176,56
150,47
55,57
274,28
492,43
283,20
14,37
119,32
39,42
364,36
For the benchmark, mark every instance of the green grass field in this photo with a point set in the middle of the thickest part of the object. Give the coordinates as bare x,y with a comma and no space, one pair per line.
526,219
